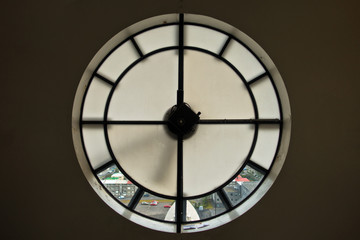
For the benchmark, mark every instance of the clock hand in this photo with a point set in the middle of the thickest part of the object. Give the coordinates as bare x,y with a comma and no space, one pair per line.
240,121
180,206
180,91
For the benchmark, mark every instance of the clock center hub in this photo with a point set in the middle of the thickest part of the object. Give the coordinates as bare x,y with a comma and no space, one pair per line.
182,120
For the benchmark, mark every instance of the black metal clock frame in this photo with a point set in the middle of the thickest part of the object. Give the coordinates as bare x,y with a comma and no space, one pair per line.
180,200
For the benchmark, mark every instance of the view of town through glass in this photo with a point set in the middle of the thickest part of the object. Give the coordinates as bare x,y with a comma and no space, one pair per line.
123,190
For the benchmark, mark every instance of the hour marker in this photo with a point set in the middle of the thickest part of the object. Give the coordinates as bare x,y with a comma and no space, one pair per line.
137,47
103,78
257,78
257,167
224,46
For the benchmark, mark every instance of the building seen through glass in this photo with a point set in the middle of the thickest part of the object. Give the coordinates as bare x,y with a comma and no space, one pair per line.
197,209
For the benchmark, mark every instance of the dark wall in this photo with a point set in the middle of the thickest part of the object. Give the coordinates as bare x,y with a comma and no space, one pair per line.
45,47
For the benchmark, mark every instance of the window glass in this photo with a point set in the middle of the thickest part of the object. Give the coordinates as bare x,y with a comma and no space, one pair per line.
204,207
156,207
241,187
117,184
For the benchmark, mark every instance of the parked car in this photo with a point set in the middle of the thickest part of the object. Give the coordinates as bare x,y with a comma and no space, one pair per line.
154,203
145,203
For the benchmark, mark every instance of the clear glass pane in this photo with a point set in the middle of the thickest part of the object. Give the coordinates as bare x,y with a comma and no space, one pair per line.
266,144
230,145
243,185
95,145
117,184
205,38
157,207
118,61
157,38
148,154
205,207
214,89
188,227
94,105
265,97
148,90
243,60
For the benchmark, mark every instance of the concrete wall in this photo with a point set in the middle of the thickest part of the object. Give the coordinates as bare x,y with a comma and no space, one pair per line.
45,47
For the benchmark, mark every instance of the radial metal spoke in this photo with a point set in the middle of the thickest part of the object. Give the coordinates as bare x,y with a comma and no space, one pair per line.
224,199
180,91
225,46
180,204
136,46
129,122
180,209
261,76
240,121
136,198
104,79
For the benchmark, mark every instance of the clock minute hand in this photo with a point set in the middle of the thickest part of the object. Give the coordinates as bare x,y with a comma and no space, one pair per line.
180,91
240,121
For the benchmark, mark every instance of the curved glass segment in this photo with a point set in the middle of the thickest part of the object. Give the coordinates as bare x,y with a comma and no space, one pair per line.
153,39
116,63
266,99
121,188
95,145
215,89
205,38
146,91
213,155
95,101
266,145
157,207
204,208
243,185
243,60
147,154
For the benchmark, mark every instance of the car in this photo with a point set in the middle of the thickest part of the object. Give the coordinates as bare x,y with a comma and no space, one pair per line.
121,197
154,203
145,203
167,206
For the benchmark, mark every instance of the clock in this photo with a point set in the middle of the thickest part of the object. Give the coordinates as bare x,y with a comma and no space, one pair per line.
181,123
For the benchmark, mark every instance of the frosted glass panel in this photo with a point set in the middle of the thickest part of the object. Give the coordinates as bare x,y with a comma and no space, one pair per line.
204,38
157,38
95,145
243,60
265,98
117,184
118,61
266,145
214,89
148,154
157,207
204,170
148,91
94,105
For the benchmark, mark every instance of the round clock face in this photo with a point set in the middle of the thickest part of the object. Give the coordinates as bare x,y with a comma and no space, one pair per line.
181,123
